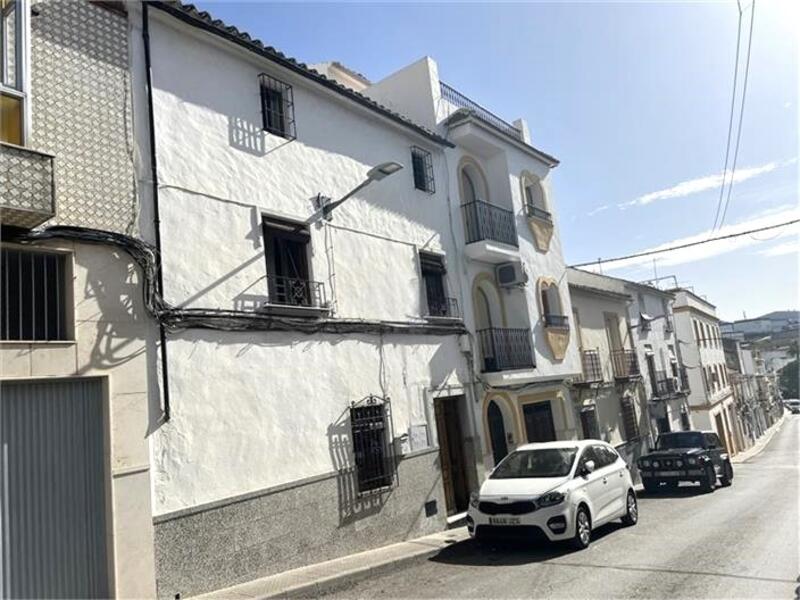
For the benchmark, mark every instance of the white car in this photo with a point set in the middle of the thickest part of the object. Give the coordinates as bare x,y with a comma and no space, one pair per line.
555,490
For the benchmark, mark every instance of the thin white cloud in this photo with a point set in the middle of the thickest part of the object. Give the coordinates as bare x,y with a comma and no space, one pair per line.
792,247
599,209
701,184
711,249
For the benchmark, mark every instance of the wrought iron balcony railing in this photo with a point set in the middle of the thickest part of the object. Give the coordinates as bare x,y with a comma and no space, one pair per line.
486,221
27,186
556,321
505,349
539,213
625,364
443,307
289,291
591,367
461,101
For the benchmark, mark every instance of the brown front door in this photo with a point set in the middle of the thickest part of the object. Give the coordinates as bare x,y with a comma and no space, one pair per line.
451,454
539,422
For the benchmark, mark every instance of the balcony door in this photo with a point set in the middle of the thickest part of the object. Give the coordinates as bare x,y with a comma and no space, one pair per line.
286,251
612,331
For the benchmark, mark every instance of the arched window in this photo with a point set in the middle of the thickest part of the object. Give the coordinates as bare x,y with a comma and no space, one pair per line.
552,309
534,197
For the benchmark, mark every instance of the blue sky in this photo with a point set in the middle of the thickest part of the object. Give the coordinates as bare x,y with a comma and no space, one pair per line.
633,98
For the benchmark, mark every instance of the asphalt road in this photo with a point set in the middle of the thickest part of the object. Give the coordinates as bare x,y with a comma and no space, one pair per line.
739,542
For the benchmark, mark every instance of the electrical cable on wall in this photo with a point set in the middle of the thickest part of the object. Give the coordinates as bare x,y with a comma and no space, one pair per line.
145,256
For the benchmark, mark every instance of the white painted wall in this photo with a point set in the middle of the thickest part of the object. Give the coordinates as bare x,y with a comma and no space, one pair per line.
255,410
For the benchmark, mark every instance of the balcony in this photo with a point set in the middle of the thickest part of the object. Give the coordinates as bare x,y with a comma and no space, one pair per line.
291,296
27,187
592,369
561,321
443,308
666,385
625,363
534,212
491,235
484,115
506,349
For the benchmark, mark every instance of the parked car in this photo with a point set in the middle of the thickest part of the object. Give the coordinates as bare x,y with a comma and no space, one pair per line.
793,406
554,491
696,456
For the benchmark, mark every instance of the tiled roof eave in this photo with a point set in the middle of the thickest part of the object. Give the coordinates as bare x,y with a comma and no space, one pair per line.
190,15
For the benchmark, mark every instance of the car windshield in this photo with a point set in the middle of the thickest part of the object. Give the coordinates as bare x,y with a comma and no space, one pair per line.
683,439
545,462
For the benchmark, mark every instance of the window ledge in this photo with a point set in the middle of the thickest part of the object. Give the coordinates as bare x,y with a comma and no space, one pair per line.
443,320
291,310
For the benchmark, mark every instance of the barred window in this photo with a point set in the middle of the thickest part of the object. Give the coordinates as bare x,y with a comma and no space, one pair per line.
373,459
422,163
33,296
629,423
277,107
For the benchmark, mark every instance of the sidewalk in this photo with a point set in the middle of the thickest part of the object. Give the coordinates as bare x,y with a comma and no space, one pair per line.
314,580
760,444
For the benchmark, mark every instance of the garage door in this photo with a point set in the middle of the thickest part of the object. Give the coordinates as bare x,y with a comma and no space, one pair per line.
52,494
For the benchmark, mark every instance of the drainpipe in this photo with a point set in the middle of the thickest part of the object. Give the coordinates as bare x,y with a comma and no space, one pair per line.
156,214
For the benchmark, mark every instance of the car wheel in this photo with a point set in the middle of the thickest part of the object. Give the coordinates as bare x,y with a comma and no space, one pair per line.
727,474
583,529
710,480
651,487
631,516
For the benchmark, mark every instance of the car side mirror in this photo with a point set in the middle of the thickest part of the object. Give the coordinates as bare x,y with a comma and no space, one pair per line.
588,467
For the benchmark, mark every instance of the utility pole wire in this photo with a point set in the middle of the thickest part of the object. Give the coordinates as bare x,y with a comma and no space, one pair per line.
687,245
741,113
730,120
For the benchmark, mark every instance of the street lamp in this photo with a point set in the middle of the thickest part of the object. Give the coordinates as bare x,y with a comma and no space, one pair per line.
376,173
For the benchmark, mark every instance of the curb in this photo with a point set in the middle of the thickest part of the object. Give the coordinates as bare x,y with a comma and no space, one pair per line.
760,445
316,580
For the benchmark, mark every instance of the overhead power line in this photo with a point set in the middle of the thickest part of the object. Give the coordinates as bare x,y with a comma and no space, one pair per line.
730,120
687,245
741,113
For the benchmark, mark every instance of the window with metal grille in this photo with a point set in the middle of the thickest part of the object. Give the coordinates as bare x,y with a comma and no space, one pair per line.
629,424
422,163
433,277
369,421
33,296
277,107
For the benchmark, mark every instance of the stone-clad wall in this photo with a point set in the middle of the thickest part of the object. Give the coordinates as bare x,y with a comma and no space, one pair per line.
81,111
260,534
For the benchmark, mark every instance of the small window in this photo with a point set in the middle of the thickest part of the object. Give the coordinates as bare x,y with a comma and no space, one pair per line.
286,249
372,457
422,163
534,200
551,306
433,278
629,424
33,297
277,107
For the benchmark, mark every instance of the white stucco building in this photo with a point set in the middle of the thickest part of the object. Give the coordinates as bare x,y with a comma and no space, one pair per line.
354,368
505,226
608,395
711,398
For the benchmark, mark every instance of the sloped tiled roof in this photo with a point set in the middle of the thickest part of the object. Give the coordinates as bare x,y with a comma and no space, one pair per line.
190,14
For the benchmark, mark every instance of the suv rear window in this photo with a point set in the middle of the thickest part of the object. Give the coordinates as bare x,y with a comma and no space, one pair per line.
680,439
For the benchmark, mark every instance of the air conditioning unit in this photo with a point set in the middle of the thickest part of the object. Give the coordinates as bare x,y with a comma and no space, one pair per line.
510,274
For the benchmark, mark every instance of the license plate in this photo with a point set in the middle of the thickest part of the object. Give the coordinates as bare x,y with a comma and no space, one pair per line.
669,473
503,520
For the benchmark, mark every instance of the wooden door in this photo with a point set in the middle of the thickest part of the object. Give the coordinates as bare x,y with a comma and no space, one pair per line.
539,422
451,454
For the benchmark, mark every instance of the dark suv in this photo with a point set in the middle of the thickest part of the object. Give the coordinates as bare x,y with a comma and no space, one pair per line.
686,456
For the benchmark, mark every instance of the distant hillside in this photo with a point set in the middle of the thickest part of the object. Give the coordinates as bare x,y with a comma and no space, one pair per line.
782,314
